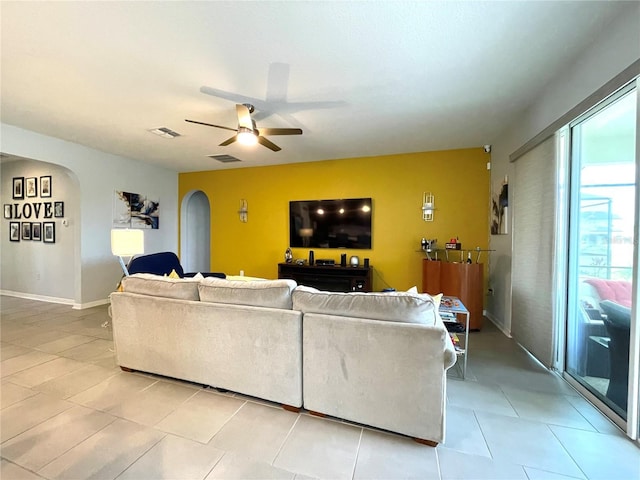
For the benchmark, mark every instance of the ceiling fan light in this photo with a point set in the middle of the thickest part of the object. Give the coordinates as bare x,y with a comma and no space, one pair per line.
247,136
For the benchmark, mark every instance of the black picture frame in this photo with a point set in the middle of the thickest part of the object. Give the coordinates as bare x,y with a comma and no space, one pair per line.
14,231
45,186
8,210
36,231
18,188
31,187
49,232
26,230
58,209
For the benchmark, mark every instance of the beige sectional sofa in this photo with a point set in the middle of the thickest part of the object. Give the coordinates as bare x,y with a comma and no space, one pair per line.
378,359
172,327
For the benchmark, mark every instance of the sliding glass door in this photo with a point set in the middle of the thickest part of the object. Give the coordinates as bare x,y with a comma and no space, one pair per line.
601,249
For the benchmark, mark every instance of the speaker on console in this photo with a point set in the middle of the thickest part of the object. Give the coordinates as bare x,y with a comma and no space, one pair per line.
366,263
343,260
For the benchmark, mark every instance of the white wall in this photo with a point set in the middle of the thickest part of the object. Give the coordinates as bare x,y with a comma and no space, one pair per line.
99,174
617,47
37,267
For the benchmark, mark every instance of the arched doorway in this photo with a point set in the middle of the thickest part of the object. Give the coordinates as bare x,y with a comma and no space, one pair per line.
195,228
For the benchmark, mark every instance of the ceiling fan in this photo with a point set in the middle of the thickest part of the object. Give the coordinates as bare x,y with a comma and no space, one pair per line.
248,133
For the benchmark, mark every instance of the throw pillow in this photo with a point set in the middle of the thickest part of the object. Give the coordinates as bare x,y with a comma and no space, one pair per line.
618,291
436,298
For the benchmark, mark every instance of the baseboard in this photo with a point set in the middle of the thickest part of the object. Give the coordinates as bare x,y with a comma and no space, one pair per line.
58,300
498,325
96,303
39,298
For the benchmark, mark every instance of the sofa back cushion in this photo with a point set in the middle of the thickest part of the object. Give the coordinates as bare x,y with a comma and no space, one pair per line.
158,286
265,293
392,306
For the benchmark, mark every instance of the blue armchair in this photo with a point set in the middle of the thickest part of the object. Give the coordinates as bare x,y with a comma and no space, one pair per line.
163,263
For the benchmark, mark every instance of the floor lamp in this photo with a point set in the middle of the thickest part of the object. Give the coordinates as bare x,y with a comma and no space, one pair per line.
126,243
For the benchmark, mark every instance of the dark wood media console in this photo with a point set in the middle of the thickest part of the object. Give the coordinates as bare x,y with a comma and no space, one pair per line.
333,278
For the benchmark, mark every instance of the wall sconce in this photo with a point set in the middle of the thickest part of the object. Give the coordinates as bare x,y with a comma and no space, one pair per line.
428,206
126,243
244,211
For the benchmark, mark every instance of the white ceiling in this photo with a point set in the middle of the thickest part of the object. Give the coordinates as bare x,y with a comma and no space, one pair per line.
360,78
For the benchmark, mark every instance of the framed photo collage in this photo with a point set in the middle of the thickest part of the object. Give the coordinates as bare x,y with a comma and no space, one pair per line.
39,231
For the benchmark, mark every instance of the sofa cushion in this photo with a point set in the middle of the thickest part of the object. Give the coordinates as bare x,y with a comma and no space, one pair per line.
159,286
618,291
266,293
392,306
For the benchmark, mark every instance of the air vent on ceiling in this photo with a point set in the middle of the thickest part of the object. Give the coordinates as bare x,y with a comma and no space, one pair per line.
164,132
224,158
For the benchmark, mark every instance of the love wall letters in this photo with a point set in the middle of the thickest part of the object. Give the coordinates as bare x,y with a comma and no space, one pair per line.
27,210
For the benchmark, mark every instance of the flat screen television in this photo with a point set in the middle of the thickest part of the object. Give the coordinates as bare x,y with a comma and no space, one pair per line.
341,223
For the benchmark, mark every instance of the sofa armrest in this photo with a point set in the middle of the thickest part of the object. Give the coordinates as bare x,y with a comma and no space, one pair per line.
450,356
356,369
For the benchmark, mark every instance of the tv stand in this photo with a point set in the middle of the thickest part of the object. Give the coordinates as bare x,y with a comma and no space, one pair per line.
333,278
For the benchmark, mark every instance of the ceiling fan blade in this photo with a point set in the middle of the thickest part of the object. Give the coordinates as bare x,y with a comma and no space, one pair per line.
229,141
211,125
234,97
280,131
244,116
270,145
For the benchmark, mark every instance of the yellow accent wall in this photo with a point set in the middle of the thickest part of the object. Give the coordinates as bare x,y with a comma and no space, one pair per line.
459,180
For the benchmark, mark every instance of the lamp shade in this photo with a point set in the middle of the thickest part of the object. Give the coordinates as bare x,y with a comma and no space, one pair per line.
247,136
126,242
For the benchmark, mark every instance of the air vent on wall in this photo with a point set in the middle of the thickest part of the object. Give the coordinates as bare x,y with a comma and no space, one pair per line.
224,158
164,132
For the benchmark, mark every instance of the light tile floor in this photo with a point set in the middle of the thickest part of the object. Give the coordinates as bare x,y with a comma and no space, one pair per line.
68,412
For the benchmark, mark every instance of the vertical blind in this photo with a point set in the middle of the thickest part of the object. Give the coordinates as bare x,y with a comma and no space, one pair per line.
534,207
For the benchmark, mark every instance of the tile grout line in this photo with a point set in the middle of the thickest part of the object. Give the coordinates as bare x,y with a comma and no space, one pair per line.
567,451
71,405
484,437
143,453
8,377
545,422
176,408
114,418
224,453
228,419
20,466
602,415
438,463
273,462
355,461
546,425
